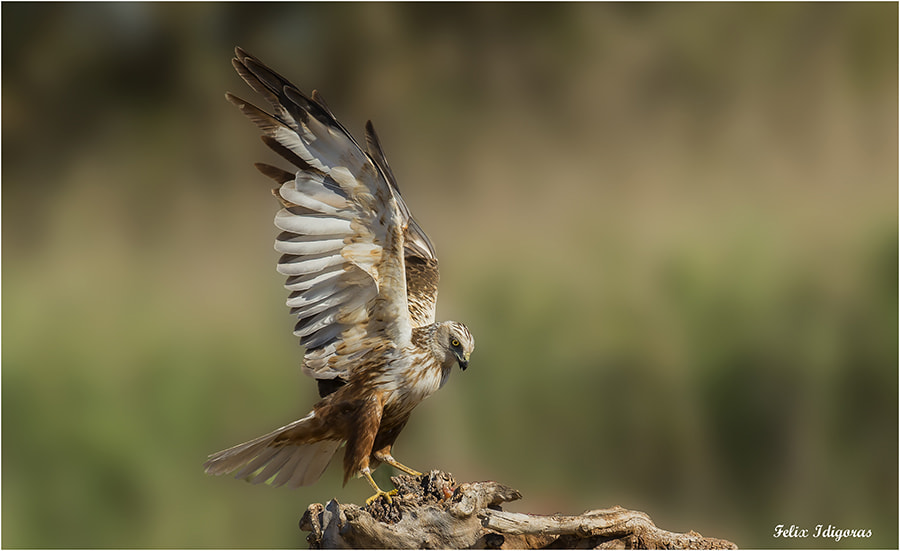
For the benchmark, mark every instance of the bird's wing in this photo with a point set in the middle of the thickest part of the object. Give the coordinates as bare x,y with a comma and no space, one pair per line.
421,263
343,226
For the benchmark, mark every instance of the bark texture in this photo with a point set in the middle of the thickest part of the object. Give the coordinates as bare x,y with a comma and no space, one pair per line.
432,511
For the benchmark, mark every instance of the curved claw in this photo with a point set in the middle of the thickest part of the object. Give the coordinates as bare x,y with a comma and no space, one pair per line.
380,493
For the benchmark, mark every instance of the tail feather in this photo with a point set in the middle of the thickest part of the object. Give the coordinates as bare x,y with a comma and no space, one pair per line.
275,465
294,461
313,463
264,457
288,470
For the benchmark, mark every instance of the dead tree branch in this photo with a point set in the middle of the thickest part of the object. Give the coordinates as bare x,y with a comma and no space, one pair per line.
434,512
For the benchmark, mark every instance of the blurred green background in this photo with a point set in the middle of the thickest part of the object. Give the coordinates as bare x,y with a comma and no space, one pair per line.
672,229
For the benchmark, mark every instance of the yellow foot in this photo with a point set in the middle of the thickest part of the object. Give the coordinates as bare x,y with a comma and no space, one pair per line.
387,458
380,493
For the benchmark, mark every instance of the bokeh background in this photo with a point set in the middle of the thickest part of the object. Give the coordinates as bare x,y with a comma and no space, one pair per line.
672,229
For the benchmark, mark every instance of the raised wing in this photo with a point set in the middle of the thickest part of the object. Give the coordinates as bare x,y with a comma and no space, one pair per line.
343,226
421,263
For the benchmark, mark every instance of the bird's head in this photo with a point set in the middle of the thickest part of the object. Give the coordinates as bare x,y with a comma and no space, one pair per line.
457,343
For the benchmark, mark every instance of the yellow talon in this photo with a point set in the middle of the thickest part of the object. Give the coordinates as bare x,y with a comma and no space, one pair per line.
380,493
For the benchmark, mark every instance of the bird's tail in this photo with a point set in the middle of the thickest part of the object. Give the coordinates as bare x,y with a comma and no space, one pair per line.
297,461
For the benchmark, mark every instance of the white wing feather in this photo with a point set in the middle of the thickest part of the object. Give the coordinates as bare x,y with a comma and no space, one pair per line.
342,229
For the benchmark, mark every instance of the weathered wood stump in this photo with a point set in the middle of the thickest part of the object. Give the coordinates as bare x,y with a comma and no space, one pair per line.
432,511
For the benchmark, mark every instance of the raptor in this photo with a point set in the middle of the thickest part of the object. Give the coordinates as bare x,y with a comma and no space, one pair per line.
362,277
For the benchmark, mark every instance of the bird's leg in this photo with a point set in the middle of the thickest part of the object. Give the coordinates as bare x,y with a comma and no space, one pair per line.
384,455
366,472
396,464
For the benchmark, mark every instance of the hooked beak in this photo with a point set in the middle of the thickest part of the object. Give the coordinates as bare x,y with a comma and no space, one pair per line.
463,362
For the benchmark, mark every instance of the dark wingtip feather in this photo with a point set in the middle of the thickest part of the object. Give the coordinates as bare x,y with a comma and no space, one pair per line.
266,122
279,175
234,99
373,147
286,153
317,97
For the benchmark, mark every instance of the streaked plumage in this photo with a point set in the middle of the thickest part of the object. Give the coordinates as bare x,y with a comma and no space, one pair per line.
362,277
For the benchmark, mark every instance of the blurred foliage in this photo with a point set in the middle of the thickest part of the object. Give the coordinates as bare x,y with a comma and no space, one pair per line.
672,229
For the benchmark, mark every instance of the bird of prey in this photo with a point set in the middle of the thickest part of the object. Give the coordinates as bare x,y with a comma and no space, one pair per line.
362,277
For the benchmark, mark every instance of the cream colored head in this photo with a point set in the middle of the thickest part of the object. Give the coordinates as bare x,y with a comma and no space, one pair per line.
454,344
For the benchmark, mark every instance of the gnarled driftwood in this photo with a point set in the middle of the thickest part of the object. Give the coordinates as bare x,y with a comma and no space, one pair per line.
432,511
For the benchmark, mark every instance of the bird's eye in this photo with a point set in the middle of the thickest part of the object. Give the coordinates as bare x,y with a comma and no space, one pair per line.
454,343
